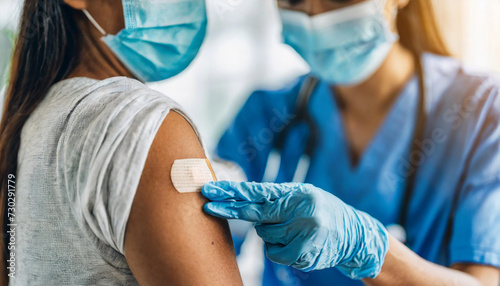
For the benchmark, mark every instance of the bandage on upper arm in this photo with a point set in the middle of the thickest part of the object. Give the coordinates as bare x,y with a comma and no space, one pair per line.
189,175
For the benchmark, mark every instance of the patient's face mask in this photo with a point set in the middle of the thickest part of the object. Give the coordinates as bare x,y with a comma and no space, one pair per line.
161,37
344,46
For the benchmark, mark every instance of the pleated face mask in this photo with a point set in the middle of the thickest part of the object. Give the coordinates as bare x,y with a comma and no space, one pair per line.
161,37
344,46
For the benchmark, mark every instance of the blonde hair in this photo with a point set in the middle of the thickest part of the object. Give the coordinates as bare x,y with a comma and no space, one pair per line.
418,29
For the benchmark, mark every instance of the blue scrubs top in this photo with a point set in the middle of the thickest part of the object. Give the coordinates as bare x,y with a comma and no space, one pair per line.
462,138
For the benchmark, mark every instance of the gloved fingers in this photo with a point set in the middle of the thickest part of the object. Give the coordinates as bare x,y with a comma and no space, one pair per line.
310,259
275,233
225,191
245,191
275,253
298,254
252,212
235,210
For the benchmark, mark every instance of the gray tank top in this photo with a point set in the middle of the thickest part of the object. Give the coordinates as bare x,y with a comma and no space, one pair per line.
80,161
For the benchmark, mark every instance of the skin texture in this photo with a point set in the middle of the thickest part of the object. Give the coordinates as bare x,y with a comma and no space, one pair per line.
168,236
403,267
97,60
364,108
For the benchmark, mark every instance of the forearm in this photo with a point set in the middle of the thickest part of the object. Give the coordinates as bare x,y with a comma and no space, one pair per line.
403,267
354,242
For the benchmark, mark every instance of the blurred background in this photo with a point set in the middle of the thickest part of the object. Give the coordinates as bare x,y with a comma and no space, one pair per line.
243,52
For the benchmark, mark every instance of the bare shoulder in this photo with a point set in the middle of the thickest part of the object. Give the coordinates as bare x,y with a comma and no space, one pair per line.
168,236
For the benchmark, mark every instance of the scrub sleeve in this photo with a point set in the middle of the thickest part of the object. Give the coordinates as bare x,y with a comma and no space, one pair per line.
476,227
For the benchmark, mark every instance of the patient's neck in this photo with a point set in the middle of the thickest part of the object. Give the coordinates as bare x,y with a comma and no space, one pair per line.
97,61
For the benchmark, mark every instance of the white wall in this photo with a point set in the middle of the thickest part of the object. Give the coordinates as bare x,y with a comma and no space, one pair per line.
472,29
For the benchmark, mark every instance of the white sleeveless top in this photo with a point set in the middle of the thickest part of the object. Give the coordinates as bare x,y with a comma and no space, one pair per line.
80,161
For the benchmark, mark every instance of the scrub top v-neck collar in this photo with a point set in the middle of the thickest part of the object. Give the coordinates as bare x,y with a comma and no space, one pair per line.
397,126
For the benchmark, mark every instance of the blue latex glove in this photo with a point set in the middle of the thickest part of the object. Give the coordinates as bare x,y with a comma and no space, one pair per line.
304,226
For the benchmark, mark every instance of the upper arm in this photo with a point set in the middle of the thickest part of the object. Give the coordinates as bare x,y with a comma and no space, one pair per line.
168,237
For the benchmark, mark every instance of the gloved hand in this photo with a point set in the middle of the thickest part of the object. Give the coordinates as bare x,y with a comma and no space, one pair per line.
303,226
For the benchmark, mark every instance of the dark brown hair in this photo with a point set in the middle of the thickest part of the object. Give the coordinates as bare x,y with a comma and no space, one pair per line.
46,50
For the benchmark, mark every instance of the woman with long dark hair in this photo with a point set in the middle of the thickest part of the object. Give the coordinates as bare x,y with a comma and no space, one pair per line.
86,150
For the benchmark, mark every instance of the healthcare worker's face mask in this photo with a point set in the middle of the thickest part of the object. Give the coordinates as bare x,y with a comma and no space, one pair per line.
161,37
344,46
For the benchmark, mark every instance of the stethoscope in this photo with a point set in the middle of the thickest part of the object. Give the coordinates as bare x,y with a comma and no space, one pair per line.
302,116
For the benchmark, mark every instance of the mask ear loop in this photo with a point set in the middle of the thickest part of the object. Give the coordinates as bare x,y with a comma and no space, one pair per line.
394,17
94,22
381,5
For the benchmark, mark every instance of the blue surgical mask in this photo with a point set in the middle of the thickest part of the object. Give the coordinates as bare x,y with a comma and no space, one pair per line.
344,46
161,37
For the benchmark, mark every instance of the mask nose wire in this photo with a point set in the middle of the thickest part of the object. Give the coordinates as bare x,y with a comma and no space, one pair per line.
94,22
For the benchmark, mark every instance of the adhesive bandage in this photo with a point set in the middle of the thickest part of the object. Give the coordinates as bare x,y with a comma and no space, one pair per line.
189,175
